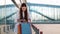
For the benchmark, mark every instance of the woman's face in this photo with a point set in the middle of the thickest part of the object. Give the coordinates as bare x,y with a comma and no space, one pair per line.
23,8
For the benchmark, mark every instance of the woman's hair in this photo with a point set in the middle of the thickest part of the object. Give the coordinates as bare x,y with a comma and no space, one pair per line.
25,12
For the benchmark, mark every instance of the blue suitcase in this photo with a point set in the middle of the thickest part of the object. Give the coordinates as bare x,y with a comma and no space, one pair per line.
26,29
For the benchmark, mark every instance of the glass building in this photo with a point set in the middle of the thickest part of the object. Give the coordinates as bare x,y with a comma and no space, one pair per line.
39,11
42,12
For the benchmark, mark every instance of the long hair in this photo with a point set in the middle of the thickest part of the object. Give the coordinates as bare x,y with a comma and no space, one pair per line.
25,12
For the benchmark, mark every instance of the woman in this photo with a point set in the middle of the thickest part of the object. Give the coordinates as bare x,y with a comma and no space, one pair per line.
23,17
22,11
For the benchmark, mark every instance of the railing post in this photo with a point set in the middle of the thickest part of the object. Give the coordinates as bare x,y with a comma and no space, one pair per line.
41,32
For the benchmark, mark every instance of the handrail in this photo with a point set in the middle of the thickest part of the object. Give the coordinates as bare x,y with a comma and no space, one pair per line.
8,16
42,15
33,4
35,29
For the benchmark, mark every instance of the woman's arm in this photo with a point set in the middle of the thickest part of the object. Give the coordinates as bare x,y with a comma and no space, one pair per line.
29,17
15,3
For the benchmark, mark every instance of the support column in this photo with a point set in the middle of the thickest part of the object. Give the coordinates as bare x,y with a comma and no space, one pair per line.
23,1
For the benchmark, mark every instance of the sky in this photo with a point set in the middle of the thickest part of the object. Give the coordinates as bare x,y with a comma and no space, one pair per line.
6,2
51,2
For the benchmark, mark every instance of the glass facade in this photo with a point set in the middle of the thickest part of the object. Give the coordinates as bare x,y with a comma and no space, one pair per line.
39,13
45,13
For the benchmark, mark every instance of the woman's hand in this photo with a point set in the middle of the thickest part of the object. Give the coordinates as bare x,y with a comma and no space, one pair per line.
29,20
19,20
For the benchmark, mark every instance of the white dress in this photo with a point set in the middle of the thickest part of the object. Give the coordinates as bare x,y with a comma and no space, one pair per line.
17,23
17,17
